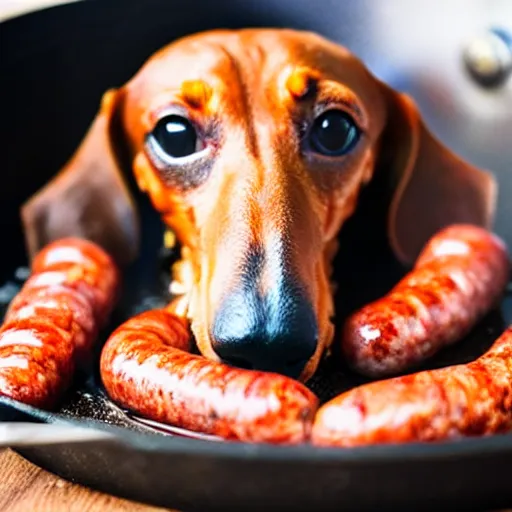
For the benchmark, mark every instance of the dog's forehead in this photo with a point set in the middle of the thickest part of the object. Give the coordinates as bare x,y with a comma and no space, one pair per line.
218,56
185,60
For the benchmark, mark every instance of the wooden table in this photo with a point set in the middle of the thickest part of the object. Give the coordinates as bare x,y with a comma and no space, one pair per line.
27,488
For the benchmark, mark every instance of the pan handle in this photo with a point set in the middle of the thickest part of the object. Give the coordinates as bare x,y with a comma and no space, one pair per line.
15,434
23,425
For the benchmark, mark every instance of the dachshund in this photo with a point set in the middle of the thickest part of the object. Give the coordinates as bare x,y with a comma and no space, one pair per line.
255,146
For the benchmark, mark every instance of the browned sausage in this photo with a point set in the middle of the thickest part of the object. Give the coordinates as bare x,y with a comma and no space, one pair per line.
145,367
474,399
459,276
63,307
51,324
79,265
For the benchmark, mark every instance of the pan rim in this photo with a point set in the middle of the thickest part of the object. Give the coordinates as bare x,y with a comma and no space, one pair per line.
466,447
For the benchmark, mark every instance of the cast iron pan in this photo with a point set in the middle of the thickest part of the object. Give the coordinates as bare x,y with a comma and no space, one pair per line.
55,64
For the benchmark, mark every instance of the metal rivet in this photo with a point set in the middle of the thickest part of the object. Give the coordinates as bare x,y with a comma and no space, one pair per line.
488,58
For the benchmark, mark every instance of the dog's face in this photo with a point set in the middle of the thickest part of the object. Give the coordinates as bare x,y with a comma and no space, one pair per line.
254,154
254,145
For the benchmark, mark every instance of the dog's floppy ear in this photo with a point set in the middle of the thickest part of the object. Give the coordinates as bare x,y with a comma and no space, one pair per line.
432,187
88,198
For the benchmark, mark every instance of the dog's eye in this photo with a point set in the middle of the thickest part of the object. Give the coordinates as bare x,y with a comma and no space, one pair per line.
333,133
176,136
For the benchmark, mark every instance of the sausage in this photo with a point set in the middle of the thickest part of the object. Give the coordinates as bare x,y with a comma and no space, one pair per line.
458,277
145,367
51,324
36,361
79,265
64,307
472,399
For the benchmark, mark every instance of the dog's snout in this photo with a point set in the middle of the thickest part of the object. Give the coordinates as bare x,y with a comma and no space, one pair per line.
275,332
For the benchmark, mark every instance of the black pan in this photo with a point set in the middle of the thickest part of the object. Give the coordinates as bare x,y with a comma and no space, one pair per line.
56,63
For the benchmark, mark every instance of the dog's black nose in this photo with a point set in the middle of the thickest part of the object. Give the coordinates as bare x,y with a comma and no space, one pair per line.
276,332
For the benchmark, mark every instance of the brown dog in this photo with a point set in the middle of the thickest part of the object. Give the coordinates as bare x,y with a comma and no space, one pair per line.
254,146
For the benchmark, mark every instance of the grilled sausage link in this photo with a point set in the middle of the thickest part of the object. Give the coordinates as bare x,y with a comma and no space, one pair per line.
52,322
458,277
472,399
145,367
